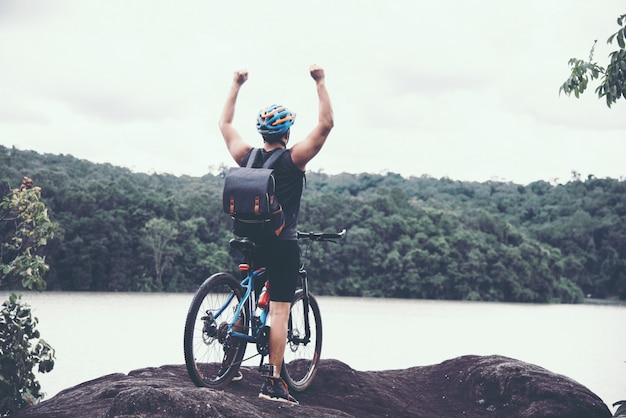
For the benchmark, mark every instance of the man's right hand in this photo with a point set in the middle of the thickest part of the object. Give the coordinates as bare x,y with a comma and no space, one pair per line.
240,77
302,152
317,72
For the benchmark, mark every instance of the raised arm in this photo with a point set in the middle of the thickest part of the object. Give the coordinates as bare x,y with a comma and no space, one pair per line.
235,144
304,151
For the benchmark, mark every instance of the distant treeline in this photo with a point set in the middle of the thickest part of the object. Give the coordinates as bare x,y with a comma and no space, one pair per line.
415,237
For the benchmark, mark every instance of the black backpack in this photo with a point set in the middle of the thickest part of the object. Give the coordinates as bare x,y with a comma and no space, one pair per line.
249,198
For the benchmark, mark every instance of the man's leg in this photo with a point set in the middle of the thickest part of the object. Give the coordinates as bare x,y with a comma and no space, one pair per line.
283,272
279,318
275,388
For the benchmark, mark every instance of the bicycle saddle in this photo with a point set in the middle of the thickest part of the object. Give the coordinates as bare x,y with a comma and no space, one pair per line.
242,244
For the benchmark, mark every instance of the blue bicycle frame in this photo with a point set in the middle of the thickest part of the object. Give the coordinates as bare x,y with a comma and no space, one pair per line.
248,285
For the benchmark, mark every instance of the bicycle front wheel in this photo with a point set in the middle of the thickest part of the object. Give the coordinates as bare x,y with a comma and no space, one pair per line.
211,355
304,342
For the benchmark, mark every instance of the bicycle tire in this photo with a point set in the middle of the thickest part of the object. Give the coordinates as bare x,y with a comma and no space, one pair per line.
300,361
205,344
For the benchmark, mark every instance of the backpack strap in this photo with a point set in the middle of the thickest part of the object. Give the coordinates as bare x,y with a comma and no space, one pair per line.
270,161
252,157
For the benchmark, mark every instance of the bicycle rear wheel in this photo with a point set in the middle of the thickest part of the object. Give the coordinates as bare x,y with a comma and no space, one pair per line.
211,355
303,349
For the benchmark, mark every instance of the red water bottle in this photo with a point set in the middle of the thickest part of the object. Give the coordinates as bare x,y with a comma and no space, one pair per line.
264,297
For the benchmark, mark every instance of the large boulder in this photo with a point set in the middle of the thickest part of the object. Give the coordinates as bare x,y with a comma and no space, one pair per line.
468,386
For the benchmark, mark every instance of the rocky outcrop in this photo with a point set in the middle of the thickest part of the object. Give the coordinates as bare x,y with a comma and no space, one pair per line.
468,386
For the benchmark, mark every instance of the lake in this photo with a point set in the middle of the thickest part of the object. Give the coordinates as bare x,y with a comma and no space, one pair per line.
95,334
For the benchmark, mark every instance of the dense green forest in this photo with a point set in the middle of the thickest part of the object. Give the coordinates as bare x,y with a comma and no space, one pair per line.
417,237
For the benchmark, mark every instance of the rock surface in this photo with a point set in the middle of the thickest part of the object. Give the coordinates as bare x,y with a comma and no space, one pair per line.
468,386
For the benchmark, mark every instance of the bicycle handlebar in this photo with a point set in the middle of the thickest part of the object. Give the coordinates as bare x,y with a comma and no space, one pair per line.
321,236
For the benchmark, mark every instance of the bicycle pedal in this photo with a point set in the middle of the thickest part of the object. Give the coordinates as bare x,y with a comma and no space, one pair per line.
266,370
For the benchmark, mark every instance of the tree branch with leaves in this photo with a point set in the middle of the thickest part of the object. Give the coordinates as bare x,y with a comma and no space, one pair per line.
613,83
26,217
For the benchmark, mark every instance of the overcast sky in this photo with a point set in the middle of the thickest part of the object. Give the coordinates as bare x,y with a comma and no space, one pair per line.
460,89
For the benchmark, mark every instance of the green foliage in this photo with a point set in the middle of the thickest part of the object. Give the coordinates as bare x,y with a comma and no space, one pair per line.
27,227
21,350
581,72
613,84
407,237
620,35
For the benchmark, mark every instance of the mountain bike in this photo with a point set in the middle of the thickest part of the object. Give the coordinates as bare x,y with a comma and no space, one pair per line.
225,316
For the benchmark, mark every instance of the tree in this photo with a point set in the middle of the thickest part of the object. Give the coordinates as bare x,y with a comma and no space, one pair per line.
157,234
613,83
21,348
23,213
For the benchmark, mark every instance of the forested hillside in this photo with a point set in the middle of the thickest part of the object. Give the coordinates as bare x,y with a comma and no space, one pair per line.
407,238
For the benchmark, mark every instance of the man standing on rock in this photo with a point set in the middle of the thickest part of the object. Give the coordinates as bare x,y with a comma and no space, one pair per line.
280,256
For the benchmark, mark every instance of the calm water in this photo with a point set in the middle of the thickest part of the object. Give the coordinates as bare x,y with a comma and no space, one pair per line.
95,334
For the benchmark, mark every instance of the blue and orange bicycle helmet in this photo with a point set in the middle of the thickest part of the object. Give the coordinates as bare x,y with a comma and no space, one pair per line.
274,120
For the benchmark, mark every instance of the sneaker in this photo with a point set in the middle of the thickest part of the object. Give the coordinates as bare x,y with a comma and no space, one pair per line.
275,389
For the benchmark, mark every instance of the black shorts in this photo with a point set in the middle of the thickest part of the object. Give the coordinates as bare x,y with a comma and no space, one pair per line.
281,258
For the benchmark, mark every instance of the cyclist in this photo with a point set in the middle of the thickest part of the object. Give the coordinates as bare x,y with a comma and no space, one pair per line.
280,256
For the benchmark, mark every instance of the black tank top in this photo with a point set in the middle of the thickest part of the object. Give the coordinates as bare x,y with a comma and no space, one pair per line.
289,184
